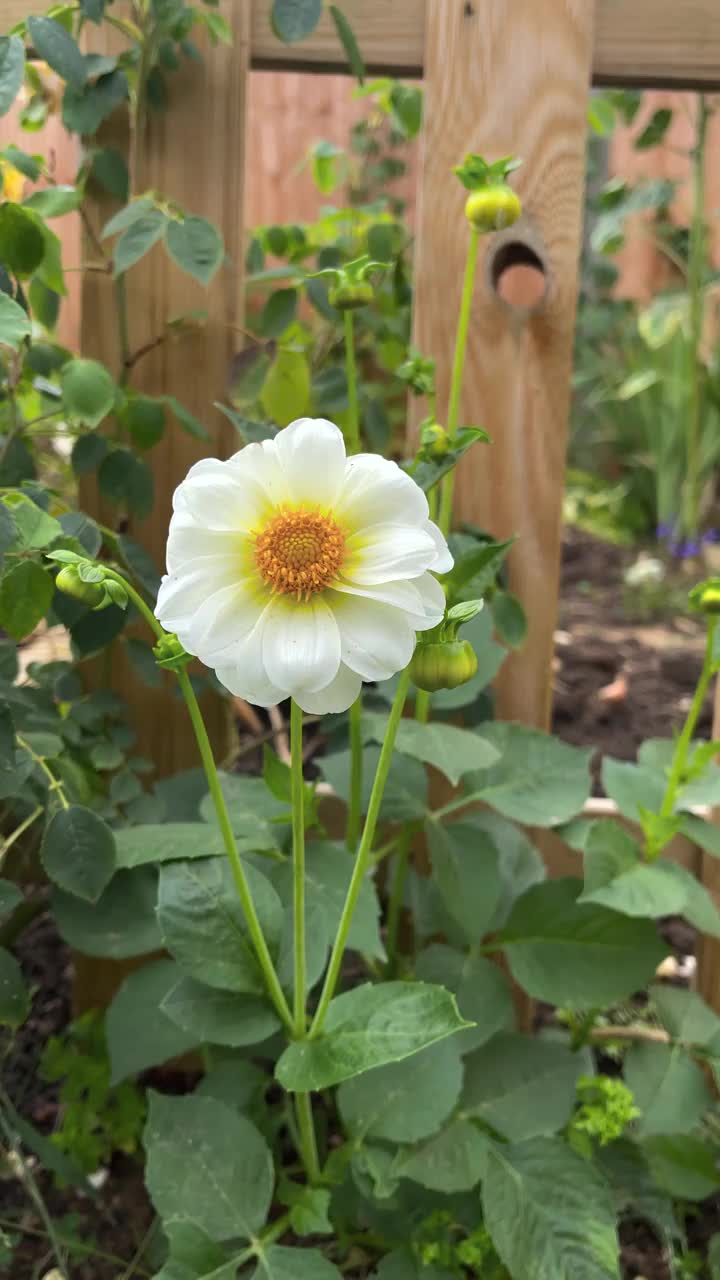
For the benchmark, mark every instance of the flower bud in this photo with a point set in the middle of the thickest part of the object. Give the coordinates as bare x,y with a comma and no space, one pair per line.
493,207
705,597
347,295
169,653
434,440
443,665
70,582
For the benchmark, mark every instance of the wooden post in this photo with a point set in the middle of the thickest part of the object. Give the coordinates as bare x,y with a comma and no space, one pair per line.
707,979
193,153
499,83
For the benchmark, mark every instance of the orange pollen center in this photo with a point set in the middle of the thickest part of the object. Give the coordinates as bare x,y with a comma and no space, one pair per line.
299,552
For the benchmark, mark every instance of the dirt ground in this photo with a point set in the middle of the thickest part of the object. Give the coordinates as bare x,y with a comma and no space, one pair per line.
618,680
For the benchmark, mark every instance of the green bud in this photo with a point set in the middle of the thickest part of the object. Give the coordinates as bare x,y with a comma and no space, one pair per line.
493,208
169,653
705,597
434,440
70,582
443,665
347,296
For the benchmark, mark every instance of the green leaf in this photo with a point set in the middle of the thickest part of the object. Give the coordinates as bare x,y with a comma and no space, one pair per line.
15,323
277,1262
108,168
88,391
193,1255
293,20
83,110
404,1101
549,1213
78,852
453,751
196,246
522,1086
519,863
686,1016
209,1164
633,787
328,868
145,420
655,130
14,995
105,755
601,114
308,1208
669,1088
538,780
120,924
167,842
480,988
203,925
186,419
10,898
88,452
140,564
452,1161
35,528
219,1017
22,244
465,869
26,593
510,619
278,313
12,70
347,39
139,1032
683,1165
126,217
140,237
405,796
575,954
401,1265
56,46
285,393
127,480
53,202
254,812
368,1027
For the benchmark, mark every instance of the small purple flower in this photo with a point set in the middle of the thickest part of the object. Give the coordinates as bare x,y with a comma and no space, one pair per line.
665,529
712,535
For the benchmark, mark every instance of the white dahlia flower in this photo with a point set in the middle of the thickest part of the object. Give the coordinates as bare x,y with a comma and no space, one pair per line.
295,571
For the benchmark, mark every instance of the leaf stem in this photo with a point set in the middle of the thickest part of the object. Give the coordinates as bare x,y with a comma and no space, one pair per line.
363,857
352,383
395,903
352,834
54,784
298,837
9,841
306,1134
448,483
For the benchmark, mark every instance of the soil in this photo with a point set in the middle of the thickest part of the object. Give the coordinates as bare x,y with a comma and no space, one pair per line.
618,680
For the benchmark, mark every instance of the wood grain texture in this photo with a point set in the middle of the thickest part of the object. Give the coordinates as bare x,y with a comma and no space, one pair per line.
517,372
708,951
193,153
650,42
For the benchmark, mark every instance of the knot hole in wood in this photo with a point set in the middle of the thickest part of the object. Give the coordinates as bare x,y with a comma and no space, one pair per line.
517,272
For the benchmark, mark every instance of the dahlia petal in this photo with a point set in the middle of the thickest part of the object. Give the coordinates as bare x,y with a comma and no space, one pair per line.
387,551
189,541
422,600
300,644
311,452
376,640
259,463
373,487
243,672
443,561
337,696
184,593
226,617
220,497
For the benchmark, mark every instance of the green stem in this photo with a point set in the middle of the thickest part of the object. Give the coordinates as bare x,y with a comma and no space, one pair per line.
363,857
395,903
448,483
208,760
123,329
422,706
696,268
54,784
306,1132
298,836
682,747
9,841
352,834
352,384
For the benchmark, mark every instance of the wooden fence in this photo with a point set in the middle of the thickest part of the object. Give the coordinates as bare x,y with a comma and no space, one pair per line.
499,79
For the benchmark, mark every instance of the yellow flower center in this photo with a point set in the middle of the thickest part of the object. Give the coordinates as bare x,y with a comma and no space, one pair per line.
299,552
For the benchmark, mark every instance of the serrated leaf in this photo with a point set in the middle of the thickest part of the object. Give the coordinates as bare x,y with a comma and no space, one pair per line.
328,868
633,787
562,1206
405,796
139,1032
480,988
368,1027
204,927
276,1262
78,852
167,842
683,1165
14,995
404,1101
453,751
196,246
208,1164
34,527
193,1255
218,1017
522,1086
575,954
538,780
669,1088
452,1161
466,872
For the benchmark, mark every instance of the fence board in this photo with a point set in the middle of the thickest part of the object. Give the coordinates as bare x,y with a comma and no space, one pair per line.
195,154
518,367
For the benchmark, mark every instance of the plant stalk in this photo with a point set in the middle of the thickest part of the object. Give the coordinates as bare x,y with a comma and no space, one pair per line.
352,383
352,834
306,1134
696,268
298,836
448,482
363,857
